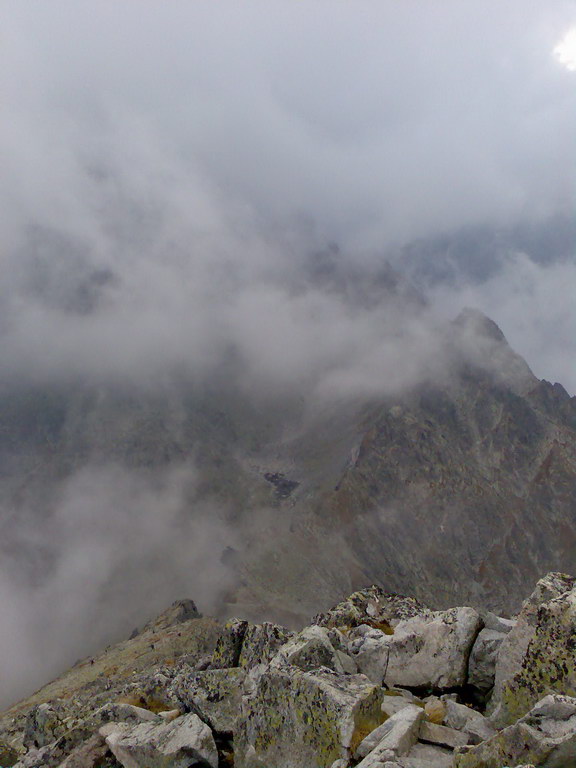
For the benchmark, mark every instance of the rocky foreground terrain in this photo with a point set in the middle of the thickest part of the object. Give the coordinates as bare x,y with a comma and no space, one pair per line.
378,681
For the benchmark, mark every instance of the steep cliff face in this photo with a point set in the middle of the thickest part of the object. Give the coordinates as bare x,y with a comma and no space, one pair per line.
462,490
468,491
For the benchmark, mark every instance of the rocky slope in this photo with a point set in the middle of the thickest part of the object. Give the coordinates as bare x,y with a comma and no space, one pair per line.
378,681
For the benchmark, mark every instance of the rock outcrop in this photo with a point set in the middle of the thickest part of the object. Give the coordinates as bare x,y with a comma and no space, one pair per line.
545,736
297,718
379,681
537,656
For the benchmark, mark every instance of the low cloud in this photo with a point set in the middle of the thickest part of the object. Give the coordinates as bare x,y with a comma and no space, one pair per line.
113,550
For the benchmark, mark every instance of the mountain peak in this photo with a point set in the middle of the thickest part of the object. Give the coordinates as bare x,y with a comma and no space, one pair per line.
472,319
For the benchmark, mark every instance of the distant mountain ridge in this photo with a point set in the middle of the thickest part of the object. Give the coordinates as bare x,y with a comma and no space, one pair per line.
458,490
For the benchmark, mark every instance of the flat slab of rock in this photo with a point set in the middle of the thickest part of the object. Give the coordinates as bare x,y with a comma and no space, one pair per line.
394,738
497,623
178,744
427,756
393,704
311,719
445,737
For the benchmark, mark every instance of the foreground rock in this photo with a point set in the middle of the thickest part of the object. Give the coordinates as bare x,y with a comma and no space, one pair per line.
477,727
545,736
381,681
93,753
483,658
229,645
312,719
49,738
537,656
394,738
185,742
214,694
261,642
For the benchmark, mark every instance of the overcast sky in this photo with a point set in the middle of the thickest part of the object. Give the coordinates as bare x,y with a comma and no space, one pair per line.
378,119
163,149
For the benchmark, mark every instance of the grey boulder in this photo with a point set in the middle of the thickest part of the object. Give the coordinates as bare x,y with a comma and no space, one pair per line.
295,718
482,664
178,744
545,736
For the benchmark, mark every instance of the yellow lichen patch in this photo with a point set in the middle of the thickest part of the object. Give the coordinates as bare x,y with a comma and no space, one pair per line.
435,711
140,699
383,626
364,728
368,717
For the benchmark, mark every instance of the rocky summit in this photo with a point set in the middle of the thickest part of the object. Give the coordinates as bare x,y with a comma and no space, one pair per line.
378,681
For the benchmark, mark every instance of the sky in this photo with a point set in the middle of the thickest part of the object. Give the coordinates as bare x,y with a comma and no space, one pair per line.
184,183
178,153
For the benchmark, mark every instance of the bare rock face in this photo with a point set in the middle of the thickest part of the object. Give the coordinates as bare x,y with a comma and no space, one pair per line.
183,742
229,645
214,694
545,736
370,651
93,753
469,721
433,653
261,642
515,645
537,656
51,738
297,718
427,651
373,607
179,612
312,648
43,725
289,700
482,663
